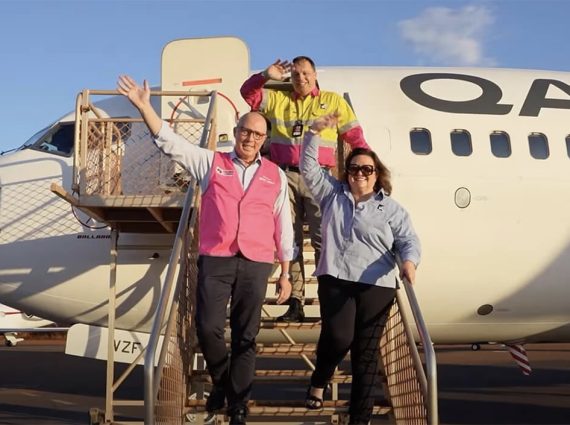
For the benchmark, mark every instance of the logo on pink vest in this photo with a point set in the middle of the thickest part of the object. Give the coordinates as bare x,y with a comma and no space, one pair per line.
266,179
223,172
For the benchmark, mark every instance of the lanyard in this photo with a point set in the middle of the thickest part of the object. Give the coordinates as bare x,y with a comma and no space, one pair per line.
298,126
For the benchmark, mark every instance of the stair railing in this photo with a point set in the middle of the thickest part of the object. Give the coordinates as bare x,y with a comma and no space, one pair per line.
429,383
168,302
412,391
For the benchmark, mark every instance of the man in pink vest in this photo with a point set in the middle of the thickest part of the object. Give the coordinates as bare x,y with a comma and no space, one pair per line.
245,222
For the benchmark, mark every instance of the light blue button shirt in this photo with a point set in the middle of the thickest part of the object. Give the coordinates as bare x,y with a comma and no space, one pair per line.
359,241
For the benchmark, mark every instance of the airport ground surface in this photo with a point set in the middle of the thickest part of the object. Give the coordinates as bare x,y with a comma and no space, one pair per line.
40,385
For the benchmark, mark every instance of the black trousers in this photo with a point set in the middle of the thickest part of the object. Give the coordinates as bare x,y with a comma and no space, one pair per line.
353,315
244,282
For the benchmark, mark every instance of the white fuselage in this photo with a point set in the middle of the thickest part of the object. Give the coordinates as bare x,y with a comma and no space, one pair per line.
12,319
494,232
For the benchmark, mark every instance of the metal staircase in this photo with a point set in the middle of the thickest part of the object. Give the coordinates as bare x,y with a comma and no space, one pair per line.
409,396
289,354
122,180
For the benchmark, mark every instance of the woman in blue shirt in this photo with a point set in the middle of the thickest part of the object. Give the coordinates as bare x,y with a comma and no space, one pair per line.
363,230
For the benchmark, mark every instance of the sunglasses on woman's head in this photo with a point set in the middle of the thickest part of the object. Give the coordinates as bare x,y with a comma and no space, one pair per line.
366,170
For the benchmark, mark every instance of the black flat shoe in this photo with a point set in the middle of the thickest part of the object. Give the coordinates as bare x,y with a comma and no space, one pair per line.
313,402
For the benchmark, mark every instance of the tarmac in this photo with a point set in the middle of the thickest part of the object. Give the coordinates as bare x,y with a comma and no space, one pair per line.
41,385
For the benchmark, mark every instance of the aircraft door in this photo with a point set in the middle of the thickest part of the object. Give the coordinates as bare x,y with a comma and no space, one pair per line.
218,63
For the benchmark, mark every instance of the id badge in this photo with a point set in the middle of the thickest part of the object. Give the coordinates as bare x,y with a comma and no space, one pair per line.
297,129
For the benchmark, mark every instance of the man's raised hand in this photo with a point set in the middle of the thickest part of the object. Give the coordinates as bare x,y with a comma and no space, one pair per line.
278,69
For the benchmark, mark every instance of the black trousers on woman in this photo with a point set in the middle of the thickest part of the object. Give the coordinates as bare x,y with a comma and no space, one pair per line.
353,315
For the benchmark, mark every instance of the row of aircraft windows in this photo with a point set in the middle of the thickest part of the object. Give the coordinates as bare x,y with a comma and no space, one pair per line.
461,145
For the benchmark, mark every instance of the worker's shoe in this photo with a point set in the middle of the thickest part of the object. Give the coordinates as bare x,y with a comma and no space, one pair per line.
217,399
295,312
238,415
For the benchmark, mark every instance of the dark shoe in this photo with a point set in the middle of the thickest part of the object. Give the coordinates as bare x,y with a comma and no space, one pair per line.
295,312
312,402
238,415
217,399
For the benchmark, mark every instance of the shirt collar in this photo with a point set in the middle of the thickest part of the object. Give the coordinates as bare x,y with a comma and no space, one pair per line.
314,93
234,157
378,196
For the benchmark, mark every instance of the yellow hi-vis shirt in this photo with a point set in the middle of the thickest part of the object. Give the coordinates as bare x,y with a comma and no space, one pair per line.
284,109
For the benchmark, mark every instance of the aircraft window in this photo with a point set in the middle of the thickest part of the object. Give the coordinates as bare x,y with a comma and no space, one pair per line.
500,144
420,140
35,138
461,143
568,145
59,140
538,146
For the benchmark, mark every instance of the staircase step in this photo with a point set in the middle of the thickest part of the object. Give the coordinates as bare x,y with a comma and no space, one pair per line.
273,324
276,375
309,261
286,350
279,350
287,408
308,301
309,280
307,247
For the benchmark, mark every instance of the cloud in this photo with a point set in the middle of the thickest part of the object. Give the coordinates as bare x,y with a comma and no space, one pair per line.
451,37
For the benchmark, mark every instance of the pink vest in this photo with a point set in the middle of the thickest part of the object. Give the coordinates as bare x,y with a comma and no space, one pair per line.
232,220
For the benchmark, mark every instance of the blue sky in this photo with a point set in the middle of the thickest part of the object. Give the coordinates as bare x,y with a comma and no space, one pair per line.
52,49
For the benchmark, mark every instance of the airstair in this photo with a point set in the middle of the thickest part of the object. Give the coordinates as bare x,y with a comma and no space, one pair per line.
122,180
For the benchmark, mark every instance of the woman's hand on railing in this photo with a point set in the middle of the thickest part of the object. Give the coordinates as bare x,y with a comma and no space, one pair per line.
408,271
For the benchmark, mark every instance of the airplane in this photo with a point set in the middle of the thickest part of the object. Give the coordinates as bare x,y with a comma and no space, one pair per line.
479,157
14,322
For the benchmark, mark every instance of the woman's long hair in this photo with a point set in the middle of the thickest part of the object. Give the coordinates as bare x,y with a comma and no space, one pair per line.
382,173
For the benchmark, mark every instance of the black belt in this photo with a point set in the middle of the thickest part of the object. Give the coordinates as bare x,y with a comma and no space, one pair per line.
295,169
289,168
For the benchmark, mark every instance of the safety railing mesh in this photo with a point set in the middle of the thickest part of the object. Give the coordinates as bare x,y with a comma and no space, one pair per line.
121,159
174,385
402,381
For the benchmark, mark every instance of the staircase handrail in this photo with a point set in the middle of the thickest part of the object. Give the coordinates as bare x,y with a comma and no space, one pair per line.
429,382
166,302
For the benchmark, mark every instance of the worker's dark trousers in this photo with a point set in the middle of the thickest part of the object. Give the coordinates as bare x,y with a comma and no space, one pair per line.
353,315
245,282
